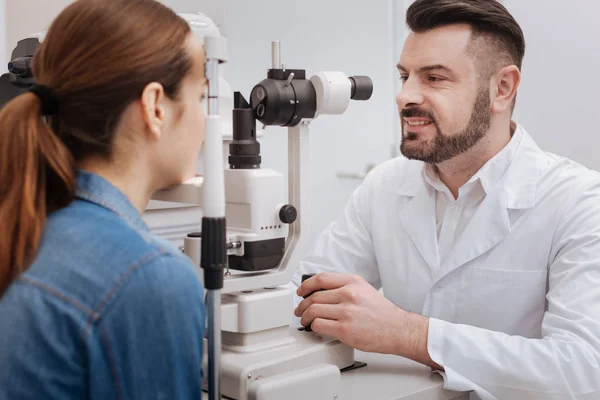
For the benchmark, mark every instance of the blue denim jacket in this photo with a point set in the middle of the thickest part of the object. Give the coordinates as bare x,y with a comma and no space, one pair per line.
106,310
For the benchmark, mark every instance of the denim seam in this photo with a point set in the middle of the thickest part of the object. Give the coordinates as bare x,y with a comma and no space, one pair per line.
91,314
118,284
107,204
113,366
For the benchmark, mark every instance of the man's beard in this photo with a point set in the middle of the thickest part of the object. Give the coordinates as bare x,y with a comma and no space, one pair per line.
445,147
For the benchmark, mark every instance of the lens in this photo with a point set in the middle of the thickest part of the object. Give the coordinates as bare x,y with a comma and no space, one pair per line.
260,110
260,93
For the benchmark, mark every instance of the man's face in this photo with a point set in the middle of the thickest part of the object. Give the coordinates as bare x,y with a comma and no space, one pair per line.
444,105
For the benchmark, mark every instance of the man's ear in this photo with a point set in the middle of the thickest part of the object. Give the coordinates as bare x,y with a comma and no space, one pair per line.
505,85
154,108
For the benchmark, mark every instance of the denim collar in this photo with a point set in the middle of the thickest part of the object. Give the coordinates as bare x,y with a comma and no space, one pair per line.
97,190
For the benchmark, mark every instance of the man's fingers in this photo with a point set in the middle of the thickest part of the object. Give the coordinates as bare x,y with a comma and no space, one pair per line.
324,311
326,327
325,280
324,297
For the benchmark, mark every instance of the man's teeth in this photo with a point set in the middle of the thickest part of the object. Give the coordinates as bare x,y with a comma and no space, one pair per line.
416,123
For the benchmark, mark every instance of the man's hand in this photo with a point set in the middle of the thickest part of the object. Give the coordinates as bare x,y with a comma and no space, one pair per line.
352,311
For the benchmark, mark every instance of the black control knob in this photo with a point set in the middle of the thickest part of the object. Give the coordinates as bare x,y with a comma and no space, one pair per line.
288,214
308,328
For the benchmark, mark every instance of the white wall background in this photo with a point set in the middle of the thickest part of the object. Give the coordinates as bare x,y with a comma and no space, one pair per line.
557,102
3,41
25,17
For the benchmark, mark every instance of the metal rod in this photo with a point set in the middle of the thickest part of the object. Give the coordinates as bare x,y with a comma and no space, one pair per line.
289,79
298,184
214,208
276,54
214,348
234,245
212,75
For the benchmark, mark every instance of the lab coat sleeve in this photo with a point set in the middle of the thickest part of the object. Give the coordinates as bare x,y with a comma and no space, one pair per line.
346,245
565,362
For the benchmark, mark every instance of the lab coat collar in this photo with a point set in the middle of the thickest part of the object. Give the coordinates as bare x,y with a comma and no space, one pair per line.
515,190
518,180
488,175
521,178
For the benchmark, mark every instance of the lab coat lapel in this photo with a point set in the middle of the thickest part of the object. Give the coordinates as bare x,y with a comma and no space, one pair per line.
488,226
491,222
486,229
418,219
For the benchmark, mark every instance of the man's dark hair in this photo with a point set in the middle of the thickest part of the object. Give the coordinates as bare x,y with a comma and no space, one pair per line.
496,36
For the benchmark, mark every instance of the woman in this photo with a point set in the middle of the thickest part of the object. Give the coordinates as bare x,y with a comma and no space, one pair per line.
92,305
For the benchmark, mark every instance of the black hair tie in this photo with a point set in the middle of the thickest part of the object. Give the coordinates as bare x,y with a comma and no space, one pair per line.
49,104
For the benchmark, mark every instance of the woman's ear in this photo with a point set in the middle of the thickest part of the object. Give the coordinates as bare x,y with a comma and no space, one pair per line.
154,109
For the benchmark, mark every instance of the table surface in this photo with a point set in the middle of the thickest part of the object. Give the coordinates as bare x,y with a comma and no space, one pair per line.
388,377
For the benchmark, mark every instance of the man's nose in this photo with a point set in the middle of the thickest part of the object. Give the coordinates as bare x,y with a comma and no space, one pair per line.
410,94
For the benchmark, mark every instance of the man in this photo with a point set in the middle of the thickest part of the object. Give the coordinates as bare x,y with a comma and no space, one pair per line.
487,248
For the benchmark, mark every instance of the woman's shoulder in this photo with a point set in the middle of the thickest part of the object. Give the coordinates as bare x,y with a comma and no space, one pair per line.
88,253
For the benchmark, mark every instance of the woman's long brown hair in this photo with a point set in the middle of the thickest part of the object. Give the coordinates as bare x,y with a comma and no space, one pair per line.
97,58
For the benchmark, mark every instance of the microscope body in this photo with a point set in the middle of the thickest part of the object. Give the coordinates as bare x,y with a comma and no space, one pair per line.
263,357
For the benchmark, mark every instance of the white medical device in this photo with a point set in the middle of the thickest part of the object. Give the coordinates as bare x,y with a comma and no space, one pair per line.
256,354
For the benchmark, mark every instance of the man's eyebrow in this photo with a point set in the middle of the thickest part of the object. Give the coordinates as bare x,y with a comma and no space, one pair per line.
427,68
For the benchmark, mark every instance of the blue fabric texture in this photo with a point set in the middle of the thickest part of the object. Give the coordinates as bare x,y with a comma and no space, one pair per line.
106,310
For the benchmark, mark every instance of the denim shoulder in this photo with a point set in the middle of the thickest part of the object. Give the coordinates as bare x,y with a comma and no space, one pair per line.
146,337
87,252
156,321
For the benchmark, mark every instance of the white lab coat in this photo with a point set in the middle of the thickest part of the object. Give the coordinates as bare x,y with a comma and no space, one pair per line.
515,308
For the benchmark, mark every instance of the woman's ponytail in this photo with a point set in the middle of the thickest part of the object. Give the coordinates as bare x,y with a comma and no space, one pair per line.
37,176
96,60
